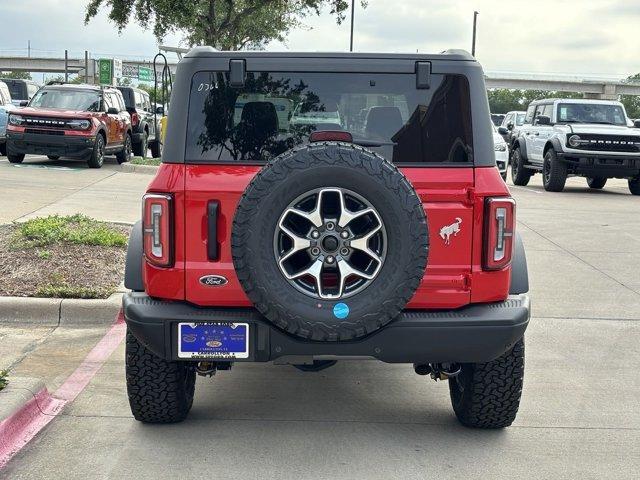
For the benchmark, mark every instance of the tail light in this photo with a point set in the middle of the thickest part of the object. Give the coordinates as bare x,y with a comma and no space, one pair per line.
157,225
499,228
135,119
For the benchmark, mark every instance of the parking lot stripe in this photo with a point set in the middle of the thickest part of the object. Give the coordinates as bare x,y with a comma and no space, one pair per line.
17,430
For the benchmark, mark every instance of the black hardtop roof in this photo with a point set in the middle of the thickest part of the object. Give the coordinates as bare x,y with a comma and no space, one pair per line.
210,52
19,80
130,87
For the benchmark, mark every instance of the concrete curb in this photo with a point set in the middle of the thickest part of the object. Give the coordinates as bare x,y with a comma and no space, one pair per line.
26,407
54,312
132,168
17,393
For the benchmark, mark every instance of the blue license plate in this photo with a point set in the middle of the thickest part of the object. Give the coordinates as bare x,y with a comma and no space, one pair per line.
213,340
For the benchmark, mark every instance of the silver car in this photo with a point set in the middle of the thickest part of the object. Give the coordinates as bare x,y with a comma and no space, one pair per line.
5,107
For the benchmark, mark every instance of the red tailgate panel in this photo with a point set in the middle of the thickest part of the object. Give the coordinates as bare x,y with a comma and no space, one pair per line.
444,192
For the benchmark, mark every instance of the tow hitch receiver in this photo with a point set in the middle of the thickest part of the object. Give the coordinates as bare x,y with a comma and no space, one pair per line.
438,371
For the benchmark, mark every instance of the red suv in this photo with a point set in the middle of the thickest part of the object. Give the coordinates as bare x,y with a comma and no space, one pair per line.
313,208
77,121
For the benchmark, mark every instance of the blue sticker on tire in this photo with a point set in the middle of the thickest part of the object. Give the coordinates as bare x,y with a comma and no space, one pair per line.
341,310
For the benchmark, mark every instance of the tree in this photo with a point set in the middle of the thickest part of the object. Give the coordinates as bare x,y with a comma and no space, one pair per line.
223,24
16,75
503,100
632,102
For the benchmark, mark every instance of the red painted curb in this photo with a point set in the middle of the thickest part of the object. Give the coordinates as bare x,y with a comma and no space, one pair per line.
25,423
17,430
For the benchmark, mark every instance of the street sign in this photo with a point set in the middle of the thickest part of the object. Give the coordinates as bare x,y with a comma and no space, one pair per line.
105,69
117,68
130,71
145,74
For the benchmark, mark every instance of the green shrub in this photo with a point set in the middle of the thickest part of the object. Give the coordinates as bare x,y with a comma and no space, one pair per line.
79,229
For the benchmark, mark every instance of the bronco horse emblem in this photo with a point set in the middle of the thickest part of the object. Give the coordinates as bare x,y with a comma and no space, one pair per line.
448,230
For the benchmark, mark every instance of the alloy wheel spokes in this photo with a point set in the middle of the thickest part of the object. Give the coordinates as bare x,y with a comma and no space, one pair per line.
330,243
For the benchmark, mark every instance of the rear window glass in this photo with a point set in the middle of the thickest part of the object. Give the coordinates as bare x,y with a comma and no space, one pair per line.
274,112
18,90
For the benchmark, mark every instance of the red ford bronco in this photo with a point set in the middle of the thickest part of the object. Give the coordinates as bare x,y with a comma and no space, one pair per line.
84,122
312,208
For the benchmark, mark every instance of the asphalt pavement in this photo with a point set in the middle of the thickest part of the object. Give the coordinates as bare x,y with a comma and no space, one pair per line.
579,416
39,187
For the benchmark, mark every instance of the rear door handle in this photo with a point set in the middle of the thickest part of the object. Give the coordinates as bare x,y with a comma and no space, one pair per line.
212,230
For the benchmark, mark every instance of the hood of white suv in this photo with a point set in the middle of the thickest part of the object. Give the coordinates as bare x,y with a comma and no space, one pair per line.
597,128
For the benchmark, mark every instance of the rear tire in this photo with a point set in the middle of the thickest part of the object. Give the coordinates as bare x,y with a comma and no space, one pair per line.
16,158
96,159
634,185
519,174
140,148
554,172
596,182
124,155
156,149
159,391
487,395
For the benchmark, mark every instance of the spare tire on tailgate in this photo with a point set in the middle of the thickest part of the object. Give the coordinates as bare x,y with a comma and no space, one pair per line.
330,241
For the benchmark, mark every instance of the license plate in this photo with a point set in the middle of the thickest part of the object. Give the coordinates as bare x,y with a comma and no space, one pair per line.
213,340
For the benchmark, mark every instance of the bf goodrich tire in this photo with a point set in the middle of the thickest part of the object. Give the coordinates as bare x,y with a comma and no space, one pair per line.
487,395
320,305
519,174
159,391
554,172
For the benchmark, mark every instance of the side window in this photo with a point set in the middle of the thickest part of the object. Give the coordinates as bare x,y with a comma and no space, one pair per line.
108,101
548,110
528,118
31,90
539,111
138,99
120,98
507,120
147,102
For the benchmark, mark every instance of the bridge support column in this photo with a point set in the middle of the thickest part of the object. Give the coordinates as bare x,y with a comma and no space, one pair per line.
609,92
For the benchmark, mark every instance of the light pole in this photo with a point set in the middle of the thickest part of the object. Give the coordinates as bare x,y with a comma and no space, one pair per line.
473,42
351,42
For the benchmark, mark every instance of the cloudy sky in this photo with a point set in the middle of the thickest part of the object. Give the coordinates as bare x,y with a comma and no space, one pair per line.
594,37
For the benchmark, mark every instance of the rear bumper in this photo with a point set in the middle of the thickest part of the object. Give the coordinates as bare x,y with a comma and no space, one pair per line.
42,144
601,164
476,333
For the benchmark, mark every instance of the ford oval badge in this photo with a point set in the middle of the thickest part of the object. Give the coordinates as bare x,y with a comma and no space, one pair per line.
213,280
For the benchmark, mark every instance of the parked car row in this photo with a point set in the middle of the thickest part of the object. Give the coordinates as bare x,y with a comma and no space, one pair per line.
80,121
6,106
560,138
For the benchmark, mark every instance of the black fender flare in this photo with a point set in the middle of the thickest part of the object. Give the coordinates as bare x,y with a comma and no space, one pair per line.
519,269
133,265
522,145
555,144
102,131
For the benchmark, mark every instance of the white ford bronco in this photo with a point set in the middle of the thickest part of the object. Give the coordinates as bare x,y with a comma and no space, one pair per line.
588,138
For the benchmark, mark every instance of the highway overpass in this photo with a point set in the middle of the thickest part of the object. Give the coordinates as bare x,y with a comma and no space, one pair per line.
606,88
